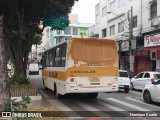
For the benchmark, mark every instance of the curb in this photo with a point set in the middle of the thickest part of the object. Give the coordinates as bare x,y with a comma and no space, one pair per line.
33,98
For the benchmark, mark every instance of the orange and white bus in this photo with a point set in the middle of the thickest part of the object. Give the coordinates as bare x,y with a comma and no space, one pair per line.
81,65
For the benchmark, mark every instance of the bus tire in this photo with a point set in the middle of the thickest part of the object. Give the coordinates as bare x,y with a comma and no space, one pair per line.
57,94
93,95
44,85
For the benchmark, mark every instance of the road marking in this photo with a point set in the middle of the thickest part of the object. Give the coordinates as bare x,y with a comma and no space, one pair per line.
132,99
91,109
60,105
64,108
110,106
86,106
128,105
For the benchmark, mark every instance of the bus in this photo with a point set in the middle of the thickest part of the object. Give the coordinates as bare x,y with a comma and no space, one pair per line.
81,65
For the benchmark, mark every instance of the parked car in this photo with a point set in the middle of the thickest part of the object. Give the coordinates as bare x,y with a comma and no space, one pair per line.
144,78
33,68
151,92
124,81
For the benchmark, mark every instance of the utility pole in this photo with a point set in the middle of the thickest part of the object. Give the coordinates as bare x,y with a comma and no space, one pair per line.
130,19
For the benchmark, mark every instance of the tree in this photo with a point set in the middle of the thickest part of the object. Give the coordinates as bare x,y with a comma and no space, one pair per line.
4,79
21,23
22,19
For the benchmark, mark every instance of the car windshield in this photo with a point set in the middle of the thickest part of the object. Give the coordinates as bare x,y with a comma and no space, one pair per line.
123,74
156,76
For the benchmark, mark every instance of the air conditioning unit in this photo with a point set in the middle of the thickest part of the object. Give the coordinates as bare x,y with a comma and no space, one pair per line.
153,55
154,22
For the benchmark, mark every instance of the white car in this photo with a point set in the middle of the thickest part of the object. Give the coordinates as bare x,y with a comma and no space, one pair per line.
124,81
33,68
151,92
144,78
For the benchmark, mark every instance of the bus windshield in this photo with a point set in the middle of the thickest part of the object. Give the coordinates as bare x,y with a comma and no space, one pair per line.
92,51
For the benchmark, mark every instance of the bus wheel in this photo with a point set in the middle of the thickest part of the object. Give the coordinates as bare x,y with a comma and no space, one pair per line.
44,85
93,95
57,94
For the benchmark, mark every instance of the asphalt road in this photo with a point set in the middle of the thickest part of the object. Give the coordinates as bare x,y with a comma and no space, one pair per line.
117,104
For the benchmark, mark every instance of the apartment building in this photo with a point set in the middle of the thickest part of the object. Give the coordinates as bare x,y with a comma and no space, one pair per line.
134,24
75,29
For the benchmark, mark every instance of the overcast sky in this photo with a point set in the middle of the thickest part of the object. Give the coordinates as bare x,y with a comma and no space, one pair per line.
85,10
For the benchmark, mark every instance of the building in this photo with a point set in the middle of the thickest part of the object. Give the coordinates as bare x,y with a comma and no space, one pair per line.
147,54
134,24
74,29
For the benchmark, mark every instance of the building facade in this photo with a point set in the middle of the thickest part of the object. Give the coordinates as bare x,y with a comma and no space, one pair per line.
75,29
134,24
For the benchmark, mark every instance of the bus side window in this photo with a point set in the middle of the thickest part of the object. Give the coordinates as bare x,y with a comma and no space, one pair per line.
57,56
63,56
47,60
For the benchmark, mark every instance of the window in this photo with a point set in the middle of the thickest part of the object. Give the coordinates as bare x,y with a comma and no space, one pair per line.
104,11
140,75
147,75
123,74
57,39
104,32
75,30
120,27
153,55
156,76
47,60
63,56
112,30
121,3
134,21
153,7
44,59
50,58
57,56
112,6
67,31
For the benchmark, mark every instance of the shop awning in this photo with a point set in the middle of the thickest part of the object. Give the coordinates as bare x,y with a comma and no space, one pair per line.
152,48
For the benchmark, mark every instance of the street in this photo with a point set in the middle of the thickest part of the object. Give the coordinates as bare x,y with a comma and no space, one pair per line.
119,103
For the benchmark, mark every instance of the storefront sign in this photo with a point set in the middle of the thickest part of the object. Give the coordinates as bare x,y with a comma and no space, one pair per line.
151,40
125,46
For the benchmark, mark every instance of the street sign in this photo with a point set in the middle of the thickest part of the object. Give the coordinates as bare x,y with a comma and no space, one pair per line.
56,23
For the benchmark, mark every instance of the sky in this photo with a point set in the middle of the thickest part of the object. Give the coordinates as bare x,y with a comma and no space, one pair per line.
85,10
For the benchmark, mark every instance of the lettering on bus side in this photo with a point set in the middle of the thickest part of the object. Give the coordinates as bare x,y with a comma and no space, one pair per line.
53,74
84,71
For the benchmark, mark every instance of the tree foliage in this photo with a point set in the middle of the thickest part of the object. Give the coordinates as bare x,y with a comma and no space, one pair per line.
22,19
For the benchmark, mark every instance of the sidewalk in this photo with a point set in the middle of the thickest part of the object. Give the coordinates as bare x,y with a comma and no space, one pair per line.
43,104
